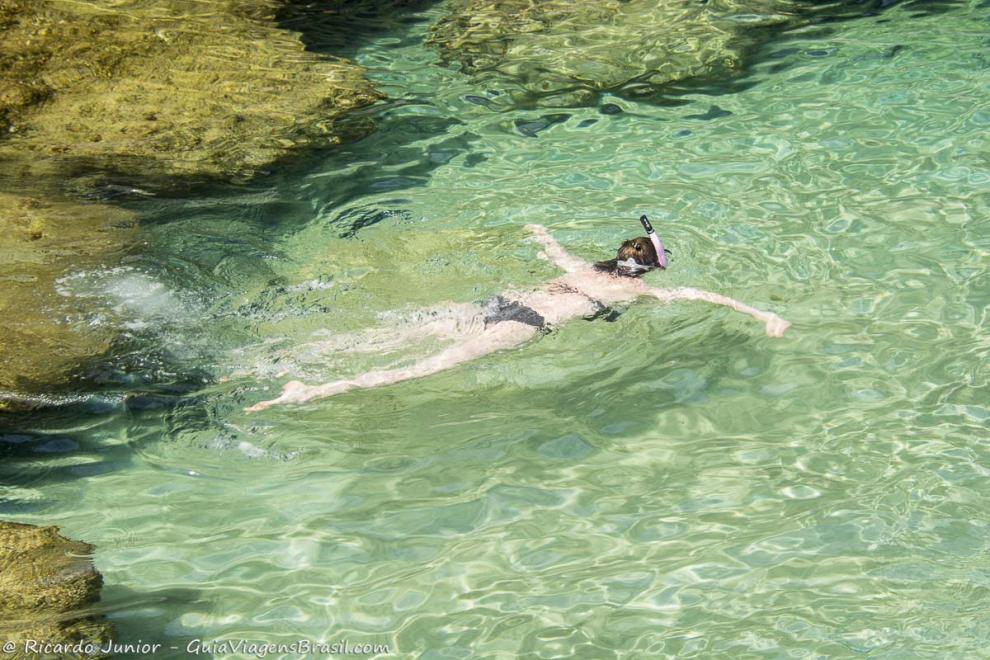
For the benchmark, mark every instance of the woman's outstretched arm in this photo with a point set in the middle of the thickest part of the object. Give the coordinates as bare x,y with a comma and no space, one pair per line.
553,251
775,325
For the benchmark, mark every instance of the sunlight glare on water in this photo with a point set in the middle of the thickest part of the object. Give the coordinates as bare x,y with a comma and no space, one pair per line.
672,483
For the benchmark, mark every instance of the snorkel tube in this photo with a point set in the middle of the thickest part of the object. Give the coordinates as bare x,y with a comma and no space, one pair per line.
657,243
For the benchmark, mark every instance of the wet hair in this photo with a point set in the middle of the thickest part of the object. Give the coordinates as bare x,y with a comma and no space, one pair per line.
634,258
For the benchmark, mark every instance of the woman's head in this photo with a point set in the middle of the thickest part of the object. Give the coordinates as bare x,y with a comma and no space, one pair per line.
634,258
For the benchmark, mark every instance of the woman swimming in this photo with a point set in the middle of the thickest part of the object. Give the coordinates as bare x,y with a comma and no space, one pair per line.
585,291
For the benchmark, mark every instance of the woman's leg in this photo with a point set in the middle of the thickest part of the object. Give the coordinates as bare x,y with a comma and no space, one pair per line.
497,337
453,321
441,322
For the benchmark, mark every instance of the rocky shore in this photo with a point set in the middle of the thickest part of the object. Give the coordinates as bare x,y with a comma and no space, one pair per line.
153,91
168,87
47,588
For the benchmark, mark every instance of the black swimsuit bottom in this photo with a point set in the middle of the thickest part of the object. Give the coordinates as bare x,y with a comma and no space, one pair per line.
500,309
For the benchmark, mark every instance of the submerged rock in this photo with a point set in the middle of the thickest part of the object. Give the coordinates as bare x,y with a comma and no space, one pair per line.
47,336
143,91
47,583
164,87
567,51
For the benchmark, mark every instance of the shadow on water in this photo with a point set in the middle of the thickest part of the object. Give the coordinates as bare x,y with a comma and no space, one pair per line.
34,458
770,43
131,612
343,29
86,436
82,430
851,9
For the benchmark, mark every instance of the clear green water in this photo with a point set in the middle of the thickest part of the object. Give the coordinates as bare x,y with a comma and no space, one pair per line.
673,483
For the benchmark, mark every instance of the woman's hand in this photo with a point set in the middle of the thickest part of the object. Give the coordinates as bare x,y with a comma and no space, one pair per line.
776,326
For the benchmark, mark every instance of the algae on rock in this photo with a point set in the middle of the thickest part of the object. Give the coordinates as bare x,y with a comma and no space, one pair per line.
164,87
567,51
47,587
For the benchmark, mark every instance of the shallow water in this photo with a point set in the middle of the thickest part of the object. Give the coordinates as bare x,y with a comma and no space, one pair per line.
673,483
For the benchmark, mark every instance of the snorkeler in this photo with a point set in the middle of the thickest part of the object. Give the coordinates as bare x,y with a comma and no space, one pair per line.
585,291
